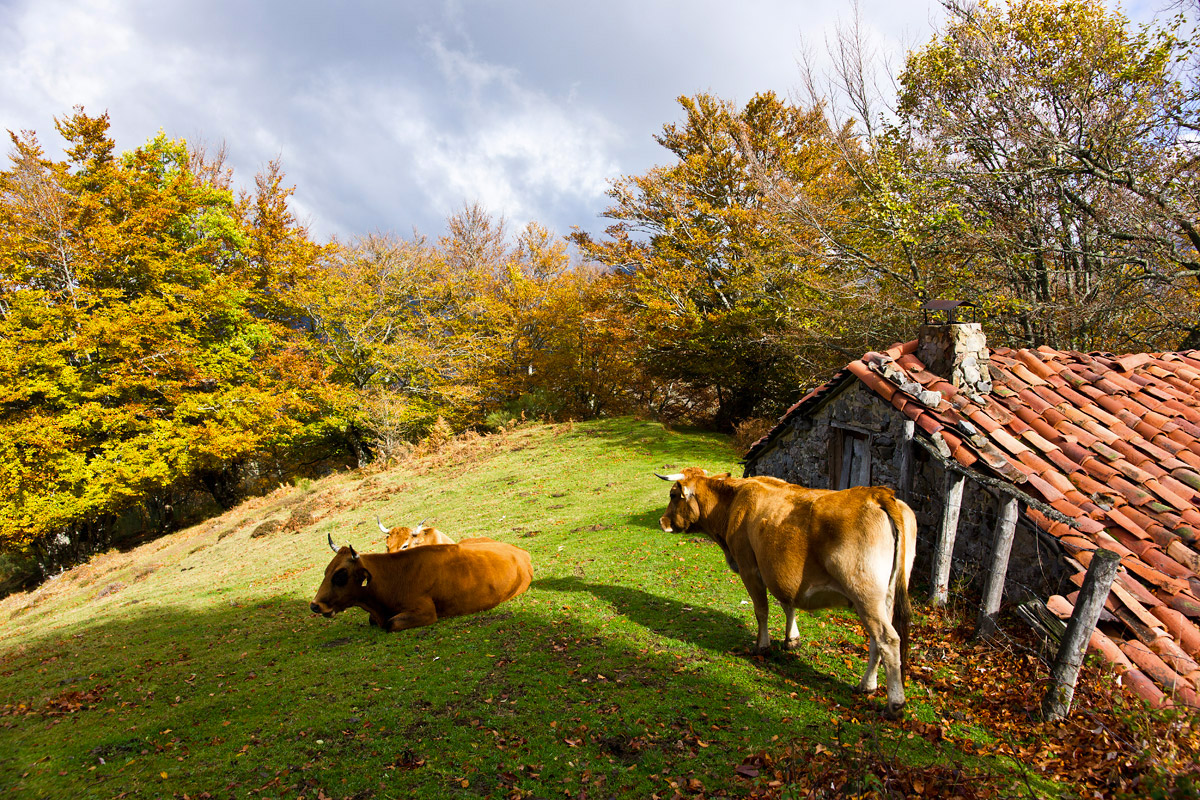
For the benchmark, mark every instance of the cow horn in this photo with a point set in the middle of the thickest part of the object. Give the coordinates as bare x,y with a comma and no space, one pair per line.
332,546
380,524
420,526
353,555
678,476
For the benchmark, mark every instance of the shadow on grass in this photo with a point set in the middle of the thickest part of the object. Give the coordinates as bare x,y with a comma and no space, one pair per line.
710,629
702,446
240,695
648,519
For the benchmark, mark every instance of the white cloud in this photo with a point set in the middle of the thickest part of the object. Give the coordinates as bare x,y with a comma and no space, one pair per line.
389,115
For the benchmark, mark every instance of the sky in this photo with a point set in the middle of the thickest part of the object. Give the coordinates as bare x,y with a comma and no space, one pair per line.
390,116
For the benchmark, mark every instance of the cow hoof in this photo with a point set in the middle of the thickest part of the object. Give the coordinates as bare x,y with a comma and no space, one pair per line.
894,711
791,644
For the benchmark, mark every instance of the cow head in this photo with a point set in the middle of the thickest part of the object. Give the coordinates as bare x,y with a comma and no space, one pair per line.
402,538
345,579
683,510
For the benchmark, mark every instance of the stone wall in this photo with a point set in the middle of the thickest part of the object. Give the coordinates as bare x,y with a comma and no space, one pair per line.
800,454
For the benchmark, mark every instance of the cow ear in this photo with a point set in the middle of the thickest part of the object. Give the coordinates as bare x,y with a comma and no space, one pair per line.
364,578
688,491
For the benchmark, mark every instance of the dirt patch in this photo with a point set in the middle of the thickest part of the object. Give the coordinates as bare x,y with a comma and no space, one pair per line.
626,749
145,572
111,589
301,517
266,529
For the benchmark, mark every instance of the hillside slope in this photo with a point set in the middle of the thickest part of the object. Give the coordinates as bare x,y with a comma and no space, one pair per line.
192,666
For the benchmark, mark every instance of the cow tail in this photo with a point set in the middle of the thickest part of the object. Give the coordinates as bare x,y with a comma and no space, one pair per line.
901,606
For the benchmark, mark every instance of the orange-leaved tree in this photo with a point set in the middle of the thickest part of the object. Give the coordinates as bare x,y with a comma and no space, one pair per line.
731,304
475,324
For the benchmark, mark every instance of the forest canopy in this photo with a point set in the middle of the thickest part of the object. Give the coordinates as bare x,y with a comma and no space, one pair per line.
169,342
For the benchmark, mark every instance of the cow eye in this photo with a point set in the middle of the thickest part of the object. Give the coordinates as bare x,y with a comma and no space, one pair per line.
341,577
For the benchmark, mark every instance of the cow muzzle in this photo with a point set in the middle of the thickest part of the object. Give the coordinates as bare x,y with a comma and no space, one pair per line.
316,609
665,525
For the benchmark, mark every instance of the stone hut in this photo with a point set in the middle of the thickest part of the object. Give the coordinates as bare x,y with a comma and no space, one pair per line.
1087,450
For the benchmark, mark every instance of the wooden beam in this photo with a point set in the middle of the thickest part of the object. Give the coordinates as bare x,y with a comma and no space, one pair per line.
904,490
1096,584
942,555
993,589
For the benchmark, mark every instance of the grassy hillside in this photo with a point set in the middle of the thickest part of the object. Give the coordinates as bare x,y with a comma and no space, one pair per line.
192,665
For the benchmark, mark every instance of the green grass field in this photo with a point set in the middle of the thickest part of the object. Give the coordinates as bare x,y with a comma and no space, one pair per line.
192,666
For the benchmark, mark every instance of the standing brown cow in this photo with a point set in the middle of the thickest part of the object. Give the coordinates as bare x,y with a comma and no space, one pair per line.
811,548
417,587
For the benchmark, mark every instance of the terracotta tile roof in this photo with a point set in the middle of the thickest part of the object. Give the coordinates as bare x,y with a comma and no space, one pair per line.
1111,442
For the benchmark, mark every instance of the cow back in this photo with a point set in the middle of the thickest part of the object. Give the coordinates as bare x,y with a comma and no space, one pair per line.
812,544
463,578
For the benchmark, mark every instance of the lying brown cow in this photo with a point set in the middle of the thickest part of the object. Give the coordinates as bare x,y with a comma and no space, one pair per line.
417,587
402,538
811,548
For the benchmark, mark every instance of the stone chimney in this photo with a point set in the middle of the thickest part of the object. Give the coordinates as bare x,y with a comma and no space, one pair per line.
956,351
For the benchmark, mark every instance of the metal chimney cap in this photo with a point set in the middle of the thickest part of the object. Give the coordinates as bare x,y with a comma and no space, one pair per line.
949,306
945,305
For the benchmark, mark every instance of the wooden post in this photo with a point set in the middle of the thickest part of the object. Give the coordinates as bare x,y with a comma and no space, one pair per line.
904,490
953,492
993,588
1096,584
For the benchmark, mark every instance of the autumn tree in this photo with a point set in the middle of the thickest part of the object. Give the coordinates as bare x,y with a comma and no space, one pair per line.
1068,140
135,369
474,323
393,321
567,337
730,303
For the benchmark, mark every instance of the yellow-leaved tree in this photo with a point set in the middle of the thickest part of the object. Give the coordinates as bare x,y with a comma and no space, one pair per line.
139,363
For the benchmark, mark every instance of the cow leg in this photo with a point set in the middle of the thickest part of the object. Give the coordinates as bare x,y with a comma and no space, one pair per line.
870,678
886,644
758,596
416,618
791,633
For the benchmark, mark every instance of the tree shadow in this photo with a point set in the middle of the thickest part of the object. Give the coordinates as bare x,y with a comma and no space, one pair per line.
661,442
246,690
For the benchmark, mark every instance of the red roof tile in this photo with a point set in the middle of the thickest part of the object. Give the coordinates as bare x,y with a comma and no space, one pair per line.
1185,633
1050,494
1058,481
1167,495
